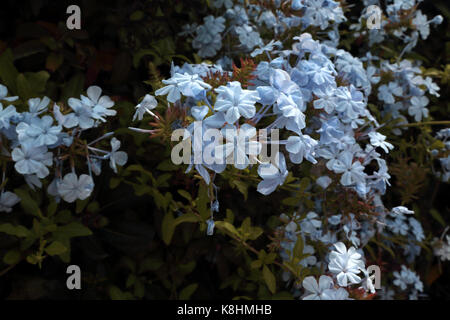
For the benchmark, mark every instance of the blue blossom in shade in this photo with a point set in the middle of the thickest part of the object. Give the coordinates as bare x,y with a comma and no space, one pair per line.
71,188
386,93
7,201
188,29
379,140
352,172
398,225
39,132
273,174
406,278
324,181
421,23
32,160
346,265
116,158
82,115
432,87
318,291
300,147
222,3
417,108
267,48
4,93
100,105
248,37
148,103
417,229
236,102
6,115
210,227
237,15
33,181
310,224
208,39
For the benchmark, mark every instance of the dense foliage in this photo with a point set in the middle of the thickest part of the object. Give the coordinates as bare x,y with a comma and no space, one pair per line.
359,176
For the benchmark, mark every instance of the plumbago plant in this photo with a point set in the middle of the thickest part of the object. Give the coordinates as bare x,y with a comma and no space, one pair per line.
339,125
287,152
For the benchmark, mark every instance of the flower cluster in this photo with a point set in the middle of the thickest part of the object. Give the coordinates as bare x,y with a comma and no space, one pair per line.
47,141
317,97
244,23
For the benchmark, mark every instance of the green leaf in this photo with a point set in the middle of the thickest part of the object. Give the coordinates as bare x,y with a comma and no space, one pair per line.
226,226
185,195
8,72
150,264
141,53
117,294
298,248
54,61
242,187
12,257
168,228
437,216
18,231
24,88
188,217
187,292
137,15
28,204
37,81
71,230
269,278
55,248
73,88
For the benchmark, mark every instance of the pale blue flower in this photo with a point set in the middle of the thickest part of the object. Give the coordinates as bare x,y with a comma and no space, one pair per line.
352,172
236,102
240,143
273,174
248,37
148,103
186,84
100,105
267,48
4,93
300,147
32,160
37,105
6,115
39,132
8,200
116,158
82,115
386,93
417,108
71,188
379,140
346,265
317,291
